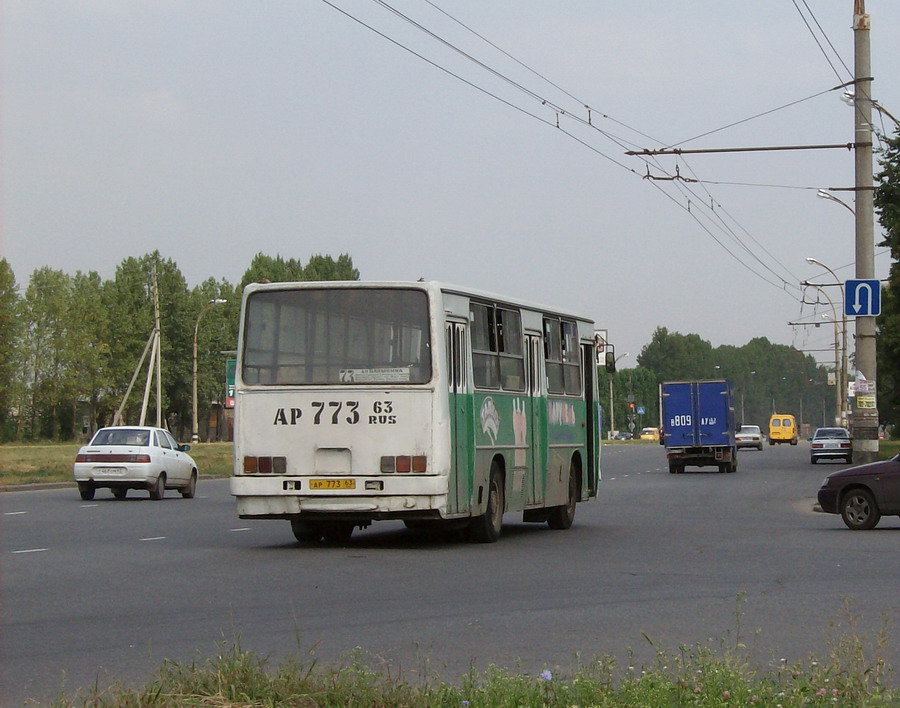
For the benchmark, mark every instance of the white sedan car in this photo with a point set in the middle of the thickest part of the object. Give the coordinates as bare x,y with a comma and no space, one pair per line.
749,436
135,457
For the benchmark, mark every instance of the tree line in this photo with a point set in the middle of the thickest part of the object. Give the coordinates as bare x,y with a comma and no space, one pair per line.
70,344
765,377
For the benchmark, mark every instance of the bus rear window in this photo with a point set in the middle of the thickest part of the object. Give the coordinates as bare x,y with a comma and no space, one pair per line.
336,336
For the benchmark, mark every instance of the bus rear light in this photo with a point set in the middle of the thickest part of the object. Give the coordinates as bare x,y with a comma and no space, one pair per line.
265,465
404,464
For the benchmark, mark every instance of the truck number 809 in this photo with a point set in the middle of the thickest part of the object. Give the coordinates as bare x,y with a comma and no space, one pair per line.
680,421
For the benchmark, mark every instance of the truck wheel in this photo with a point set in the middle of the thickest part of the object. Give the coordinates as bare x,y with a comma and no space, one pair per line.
675,468
486,528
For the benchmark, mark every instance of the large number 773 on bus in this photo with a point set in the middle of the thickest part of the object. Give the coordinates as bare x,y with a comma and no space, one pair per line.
420,402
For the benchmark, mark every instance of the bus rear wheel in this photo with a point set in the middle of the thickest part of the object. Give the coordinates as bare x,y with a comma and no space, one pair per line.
337,533
486,528
561,517
306,531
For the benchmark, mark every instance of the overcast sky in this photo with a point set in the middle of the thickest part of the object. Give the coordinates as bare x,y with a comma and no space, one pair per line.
212,131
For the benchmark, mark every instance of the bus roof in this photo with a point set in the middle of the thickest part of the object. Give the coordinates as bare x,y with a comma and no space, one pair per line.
430,285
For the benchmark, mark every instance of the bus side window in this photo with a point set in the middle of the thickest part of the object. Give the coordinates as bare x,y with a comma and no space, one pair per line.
485,364
553,356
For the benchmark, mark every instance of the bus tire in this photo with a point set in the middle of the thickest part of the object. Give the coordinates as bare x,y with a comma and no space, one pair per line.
306,531
337,533
561,517
486,528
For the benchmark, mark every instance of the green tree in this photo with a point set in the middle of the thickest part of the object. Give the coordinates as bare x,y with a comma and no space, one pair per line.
10,333
887,205
88,351
675,356
216,338
130,301
265,268
44,388
322,267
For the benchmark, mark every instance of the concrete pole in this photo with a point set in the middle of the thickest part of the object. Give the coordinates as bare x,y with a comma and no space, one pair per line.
865,416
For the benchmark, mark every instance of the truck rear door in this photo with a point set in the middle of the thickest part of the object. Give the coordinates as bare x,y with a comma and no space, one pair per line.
713,419
680,421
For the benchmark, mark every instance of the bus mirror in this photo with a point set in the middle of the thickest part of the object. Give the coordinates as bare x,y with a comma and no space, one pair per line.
611,362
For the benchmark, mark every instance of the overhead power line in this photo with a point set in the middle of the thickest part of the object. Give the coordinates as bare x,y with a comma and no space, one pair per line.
704,209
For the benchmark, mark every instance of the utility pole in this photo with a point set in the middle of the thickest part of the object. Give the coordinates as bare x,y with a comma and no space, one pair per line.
158,327
865,417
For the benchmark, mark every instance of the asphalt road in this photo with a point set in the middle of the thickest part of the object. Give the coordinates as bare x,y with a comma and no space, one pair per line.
104,590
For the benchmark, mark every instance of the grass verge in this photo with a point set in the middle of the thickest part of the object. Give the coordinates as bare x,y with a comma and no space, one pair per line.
52,462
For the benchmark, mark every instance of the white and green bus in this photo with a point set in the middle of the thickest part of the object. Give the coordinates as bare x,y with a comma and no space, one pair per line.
420,402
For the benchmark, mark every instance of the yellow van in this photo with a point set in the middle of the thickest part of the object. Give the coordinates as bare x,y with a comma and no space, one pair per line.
782,429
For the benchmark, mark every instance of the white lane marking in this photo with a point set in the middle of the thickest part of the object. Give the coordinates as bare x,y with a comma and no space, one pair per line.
31,550
89,506
245,528
14,513
153,538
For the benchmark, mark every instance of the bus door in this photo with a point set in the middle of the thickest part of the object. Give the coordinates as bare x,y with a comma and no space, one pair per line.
462,444
589,369
537,437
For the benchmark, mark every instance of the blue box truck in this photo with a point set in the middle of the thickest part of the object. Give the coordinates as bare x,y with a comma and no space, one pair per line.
698,424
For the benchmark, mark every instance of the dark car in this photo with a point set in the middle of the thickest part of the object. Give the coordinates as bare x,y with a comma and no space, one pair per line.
861,495
830,444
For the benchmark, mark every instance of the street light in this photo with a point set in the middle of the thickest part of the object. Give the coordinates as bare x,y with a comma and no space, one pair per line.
195,435
612,409
838,398
842,382
822,194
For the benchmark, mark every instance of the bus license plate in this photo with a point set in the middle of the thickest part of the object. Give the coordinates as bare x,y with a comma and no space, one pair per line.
332,484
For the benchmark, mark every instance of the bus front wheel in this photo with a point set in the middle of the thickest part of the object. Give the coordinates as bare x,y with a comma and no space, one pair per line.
486,528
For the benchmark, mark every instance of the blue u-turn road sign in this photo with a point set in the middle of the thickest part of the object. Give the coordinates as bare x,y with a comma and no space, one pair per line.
862,298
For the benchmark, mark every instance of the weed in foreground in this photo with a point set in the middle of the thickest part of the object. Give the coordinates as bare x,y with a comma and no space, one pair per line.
854,673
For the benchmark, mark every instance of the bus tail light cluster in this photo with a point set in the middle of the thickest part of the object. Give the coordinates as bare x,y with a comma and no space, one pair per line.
100,457
265,465
404,464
